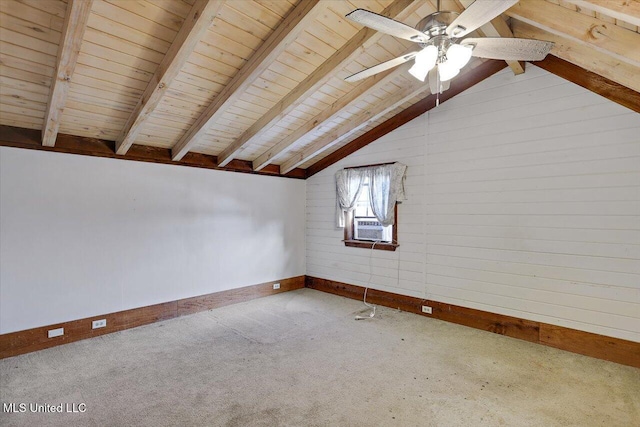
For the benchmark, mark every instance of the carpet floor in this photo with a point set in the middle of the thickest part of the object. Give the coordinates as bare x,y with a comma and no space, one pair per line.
300,359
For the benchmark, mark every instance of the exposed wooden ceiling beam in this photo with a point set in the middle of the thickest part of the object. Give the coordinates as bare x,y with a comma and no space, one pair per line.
286,33
363,119
459,84
356,94
583,56
192,31
75,23
595,83
399,9
498,27
604,37
622,10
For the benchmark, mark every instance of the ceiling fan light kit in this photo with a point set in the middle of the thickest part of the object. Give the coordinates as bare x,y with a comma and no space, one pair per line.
424,61
447,70
444,48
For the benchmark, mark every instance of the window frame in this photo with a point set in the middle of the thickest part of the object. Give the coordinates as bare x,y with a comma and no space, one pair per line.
349,234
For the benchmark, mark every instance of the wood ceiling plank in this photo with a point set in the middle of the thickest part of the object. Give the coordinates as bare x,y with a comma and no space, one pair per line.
100,100
583,56
23,85
277,42
280,7
357,94
243,45
301,66
27,76
54,7
220,53
18,120
11,37
260,13
106,86
624,10
226,72
465,80
352,49
36,16
77,105
75,24
125,59
11,57
149,11
193,29
28,111
124,46
29,29
100,77
599,35
123,32
104,66
179,8
119,12
333,39
245,23
355,123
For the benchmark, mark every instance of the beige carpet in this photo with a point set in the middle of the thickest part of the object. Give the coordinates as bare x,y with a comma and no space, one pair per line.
299,359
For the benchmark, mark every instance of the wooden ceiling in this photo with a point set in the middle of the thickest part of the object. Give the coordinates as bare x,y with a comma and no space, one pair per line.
258,86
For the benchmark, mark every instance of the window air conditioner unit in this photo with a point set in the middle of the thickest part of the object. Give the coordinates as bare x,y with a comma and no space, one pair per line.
367,229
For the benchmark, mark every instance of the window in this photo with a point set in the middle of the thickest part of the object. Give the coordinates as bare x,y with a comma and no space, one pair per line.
366,204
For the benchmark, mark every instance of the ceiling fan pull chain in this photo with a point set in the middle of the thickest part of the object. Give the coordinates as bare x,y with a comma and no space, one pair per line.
438,84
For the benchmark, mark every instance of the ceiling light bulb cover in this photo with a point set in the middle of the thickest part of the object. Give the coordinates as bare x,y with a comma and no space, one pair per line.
459,55
418,72
425,60
447,70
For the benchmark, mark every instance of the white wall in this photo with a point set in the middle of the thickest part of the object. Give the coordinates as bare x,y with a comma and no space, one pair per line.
81,236
524,199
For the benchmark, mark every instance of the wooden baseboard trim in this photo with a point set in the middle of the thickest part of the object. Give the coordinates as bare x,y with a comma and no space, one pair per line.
27,341
586,343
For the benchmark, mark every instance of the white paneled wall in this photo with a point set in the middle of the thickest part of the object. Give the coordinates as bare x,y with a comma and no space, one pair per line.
401,271
524,199
83,236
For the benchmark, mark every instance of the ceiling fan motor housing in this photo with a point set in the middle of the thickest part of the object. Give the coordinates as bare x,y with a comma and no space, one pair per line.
436,24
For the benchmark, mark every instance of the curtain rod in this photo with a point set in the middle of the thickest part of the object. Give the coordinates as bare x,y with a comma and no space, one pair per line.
369,166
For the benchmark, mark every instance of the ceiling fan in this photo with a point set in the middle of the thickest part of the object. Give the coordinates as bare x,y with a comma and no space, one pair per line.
444,49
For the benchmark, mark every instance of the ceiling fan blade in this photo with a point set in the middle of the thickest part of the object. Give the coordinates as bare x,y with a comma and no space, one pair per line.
387,25
380,67
509,48
479,13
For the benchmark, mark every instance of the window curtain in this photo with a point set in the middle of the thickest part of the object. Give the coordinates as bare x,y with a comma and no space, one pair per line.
348,187
386,187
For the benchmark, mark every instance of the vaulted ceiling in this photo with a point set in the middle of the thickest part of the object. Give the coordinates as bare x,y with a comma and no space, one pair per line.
258,86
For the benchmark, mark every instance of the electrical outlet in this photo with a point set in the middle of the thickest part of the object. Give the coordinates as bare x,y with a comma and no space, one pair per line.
426,309
99,324
276,286
55,332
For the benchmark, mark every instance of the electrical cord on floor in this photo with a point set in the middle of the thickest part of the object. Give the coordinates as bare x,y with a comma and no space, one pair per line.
371,306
